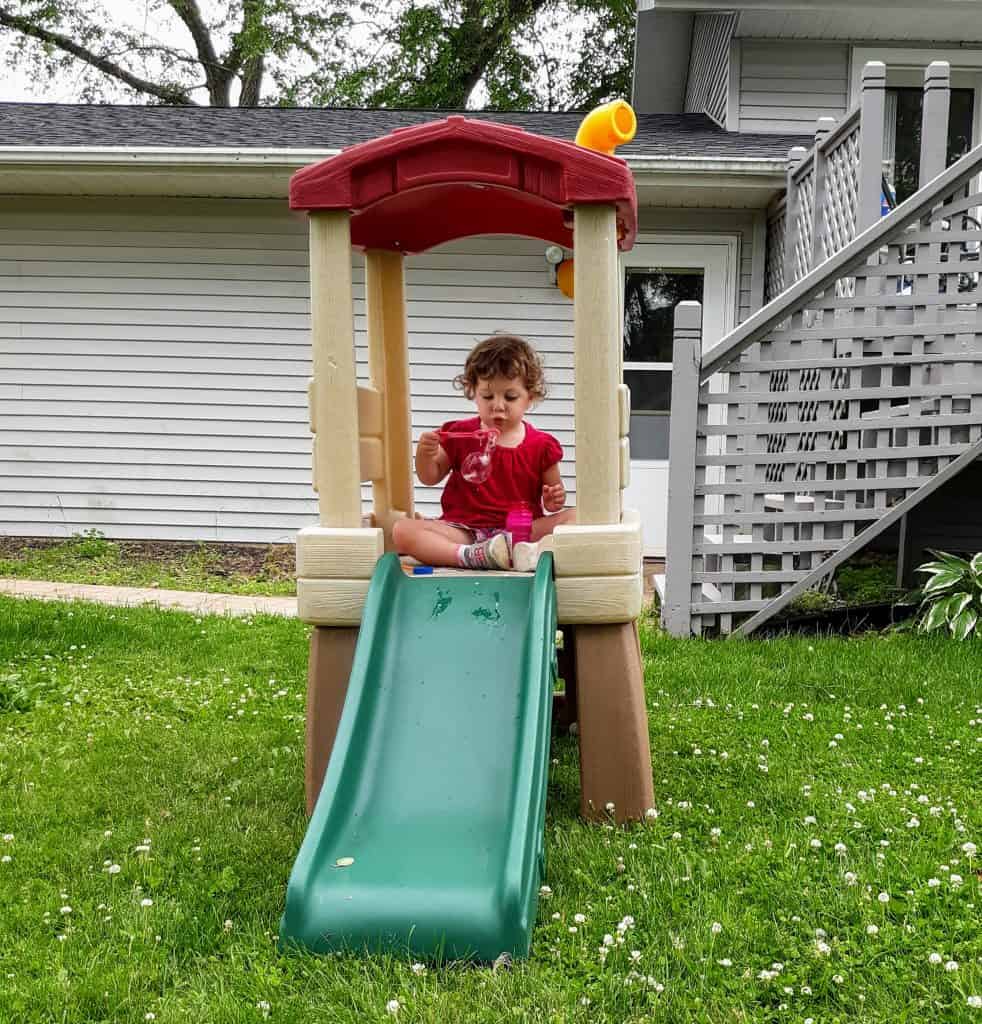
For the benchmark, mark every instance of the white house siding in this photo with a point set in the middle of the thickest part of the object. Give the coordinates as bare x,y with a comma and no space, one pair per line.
709,66
786,86
154,357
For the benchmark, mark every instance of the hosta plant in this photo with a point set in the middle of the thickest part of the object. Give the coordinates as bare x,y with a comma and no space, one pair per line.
952,596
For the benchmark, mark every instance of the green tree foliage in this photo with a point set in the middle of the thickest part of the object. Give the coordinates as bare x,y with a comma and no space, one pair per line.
503,54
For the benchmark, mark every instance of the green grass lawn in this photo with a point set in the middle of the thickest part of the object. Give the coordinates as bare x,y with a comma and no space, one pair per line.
92,558
151,799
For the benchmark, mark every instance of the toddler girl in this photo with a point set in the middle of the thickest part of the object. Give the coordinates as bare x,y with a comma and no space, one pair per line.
503,376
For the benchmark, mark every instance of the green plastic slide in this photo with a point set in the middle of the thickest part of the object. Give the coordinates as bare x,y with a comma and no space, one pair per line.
427,838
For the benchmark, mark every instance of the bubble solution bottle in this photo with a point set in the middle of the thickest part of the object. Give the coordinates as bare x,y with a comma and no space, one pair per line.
519,523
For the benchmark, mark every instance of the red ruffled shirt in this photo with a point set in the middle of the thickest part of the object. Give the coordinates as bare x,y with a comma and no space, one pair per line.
516,476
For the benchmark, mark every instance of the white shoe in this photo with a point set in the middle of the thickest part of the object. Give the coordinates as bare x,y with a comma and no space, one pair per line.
524,556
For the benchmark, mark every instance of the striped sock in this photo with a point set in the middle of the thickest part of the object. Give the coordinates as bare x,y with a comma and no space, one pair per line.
493,553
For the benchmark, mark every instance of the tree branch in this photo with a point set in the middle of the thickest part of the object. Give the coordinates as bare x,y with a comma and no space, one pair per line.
218,74
252,81
477,43
168,93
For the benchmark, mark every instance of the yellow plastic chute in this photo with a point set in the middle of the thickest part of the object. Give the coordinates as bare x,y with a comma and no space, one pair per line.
604,129
608,126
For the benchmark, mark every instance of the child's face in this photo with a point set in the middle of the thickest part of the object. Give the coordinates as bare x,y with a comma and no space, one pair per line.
502,401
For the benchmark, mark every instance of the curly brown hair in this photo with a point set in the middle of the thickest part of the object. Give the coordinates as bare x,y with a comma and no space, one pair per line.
503,355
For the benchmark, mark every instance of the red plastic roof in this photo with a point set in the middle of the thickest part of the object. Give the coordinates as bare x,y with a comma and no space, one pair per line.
418,187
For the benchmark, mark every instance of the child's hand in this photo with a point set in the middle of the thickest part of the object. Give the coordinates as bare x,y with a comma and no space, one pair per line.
553,497
429,445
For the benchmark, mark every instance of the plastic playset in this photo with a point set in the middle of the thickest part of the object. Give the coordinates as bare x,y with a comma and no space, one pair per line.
431,696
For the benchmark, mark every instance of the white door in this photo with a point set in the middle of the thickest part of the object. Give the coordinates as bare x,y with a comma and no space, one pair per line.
657,277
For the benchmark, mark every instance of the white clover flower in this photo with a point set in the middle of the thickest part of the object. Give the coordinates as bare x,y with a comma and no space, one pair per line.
146,902
114,869
8,837
6,859
840,848
715,832
635,955
815,844
392,1007
935,958
933,883
975,1002
609,807
914,822
725,962
579,918
969,849
871,929
676,835
650,814
608,940
716,928
884,897
838,979
65,910
822,947
545,891
263,1007
850,877
951,965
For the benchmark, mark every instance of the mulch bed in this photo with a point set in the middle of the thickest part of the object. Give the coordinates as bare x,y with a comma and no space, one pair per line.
228,559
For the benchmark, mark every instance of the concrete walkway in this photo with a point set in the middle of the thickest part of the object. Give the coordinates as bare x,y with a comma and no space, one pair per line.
185,600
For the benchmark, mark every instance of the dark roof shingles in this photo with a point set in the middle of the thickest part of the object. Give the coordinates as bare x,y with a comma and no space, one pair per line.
52,124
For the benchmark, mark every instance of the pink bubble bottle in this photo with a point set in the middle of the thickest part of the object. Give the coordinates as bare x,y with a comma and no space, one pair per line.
519,522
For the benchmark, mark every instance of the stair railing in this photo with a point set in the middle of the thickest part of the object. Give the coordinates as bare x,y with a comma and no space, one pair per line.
827,415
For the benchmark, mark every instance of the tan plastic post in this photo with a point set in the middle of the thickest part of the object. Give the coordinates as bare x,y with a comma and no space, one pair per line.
597,342
388,367
335,402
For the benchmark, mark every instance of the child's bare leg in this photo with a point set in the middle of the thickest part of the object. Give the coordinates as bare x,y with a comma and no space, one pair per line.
546,524
430,541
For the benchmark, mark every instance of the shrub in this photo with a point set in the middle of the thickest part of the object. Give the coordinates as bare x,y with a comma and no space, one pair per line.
952,596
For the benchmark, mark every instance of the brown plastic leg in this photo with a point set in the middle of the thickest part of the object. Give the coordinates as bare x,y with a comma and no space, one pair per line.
615,754
332,650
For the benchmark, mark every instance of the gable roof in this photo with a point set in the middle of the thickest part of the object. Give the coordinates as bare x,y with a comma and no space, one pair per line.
332,128
211,152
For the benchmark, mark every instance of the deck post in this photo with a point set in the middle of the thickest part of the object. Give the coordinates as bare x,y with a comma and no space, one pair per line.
823,128
871,130
792,211
686,362
934,122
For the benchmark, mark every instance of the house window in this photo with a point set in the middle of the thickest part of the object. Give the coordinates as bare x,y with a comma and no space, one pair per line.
902,146
650,297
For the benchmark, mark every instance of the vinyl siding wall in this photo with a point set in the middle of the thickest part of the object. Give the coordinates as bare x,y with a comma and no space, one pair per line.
787,86
154,357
